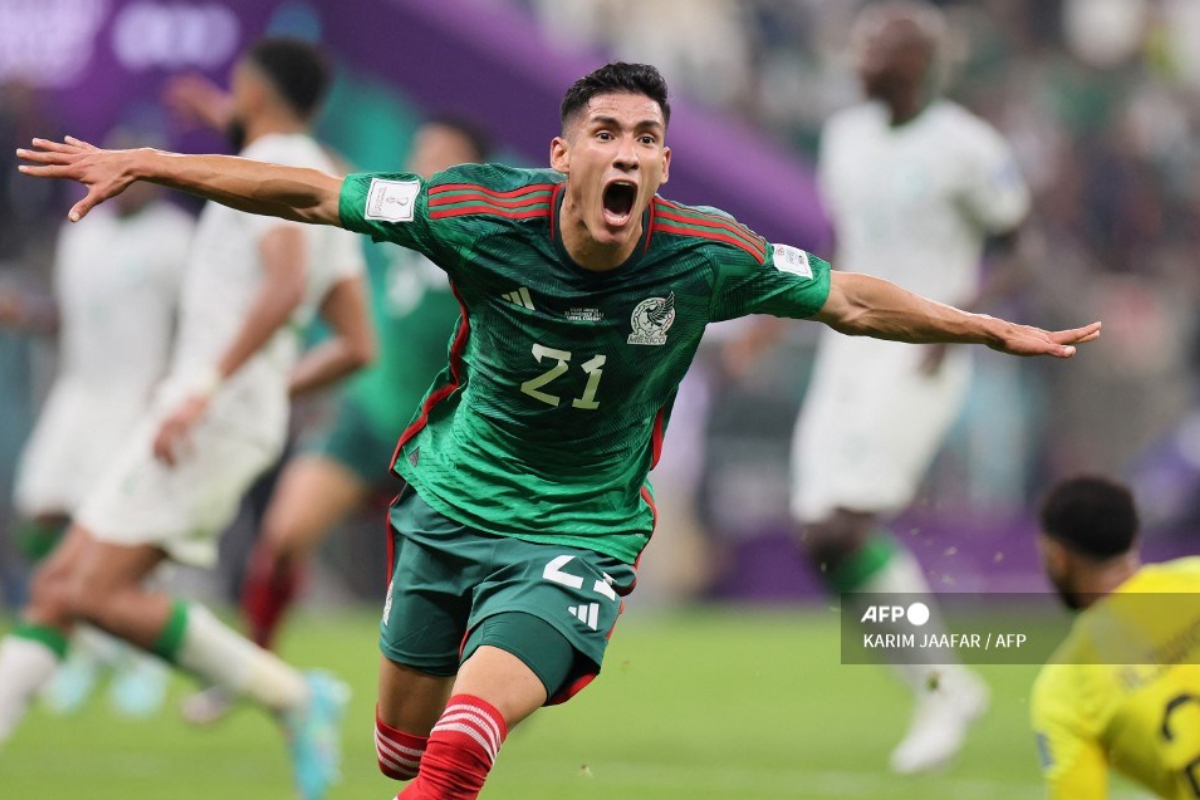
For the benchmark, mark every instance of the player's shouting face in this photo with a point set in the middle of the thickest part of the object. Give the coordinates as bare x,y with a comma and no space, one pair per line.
614,156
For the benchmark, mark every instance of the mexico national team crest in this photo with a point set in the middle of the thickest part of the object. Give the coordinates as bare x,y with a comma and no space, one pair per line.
651,320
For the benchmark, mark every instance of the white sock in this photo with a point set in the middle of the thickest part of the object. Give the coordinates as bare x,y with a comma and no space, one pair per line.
217,654
96,645
902,574
26,666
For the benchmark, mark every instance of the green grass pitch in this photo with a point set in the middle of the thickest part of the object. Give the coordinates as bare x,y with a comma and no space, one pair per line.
696,705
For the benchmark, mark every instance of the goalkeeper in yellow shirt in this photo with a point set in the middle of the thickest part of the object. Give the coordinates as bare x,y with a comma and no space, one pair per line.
1123,690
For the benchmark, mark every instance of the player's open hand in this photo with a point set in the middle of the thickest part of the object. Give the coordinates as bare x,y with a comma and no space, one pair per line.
1023,340
174,436
105,173
197,101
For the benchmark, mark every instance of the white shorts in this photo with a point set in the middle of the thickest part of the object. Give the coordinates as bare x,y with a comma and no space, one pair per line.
182,509
77,432
871,424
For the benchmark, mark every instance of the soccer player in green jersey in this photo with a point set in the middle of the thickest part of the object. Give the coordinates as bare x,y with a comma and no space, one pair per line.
584,295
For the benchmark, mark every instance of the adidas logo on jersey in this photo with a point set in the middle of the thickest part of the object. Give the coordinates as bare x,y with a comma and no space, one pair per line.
588,614
519,298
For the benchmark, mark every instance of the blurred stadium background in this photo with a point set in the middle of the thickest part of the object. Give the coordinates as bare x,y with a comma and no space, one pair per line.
1101,101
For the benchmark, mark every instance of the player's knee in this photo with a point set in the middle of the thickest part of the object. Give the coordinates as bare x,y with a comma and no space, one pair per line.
398,753
49,598
86,597
283,538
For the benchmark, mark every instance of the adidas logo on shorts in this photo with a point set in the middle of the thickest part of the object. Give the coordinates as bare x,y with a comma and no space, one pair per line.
588,614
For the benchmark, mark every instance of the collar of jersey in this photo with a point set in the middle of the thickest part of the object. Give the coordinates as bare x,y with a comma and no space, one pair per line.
625,266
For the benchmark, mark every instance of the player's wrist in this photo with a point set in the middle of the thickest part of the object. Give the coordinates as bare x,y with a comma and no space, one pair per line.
207,382
144,164
993,332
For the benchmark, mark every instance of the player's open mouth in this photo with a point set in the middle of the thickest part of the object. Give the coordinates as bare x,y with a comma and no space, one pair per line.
618,202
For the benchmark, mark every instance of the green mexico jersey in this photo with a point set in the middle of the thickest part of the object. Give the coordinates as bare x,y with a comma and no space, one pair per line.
414,312
551,411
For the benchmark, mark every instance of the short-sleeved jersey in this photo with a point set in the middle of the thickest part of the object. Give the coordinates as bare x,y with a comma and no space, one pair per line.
560,379
223,279
116,283
414,312
1142,719
914,203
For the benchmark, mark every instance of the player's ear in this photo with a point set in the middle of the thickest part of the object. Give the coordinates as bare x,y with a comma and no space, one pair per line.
560,155
666,157
1054,555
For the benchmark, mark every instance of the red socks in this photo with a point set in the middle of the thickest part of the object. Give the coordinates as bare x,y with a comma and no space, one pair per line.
462,748
267,593
399,753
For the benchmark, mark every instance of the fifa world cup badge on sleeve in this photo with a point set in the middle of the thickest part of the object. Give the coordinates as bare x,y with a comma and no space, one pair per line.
793,260
392,201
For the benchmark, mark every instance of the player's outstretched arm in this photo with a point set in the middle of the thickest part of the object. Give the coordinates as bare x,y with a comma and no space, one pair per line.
304,195
861,305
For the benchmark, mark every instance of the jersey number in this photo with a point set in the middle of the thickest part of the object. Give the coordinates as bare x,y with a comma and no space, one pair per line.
554,572
533,386
1191,770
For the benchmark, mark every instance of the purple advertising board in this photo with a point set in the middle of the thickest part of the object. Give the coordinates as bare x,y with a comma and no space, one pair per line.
95,59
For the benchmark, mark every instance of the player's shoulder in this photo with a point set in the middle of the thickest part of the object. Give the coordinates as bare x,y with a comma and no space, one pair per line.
956,123
495,178
855,119
1179,575
705,227
493,192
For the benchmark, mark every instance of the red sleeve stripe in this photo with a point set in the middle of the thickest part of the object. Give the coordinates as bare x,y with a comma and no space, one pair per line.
554,209
444,391
716,223
451,199
650,224
656,439
445,213
719,218
715,235
476,188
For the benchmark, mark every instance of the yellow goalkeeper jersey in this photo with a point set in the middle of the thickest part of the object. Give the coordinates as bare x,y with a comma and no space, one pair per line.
1123,690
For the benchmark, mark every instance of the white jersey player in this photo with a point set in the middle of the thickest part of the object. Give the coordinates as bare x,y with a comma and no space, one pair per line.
914,186
166,501
115,286
217,422
115,290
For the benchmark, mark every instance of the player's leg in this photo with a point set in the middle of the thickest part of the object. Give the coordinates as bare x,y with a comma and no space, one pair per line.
36,535
494,691
866,437
457,595
314,494
31,653
181,511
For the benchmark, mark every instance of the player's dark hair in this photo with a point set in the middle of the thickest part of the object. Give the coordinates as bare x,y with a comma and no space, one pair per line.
614,78
469,128
299,71
1092,516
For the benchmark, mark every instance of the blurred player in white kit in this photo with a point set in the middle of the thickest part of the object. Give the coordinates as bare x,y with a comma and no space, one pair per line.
219,420
915,186
116,286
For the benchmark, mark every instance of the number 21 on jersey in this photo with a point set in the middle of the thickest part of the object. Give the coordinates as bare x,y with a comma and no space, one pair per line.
593,367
